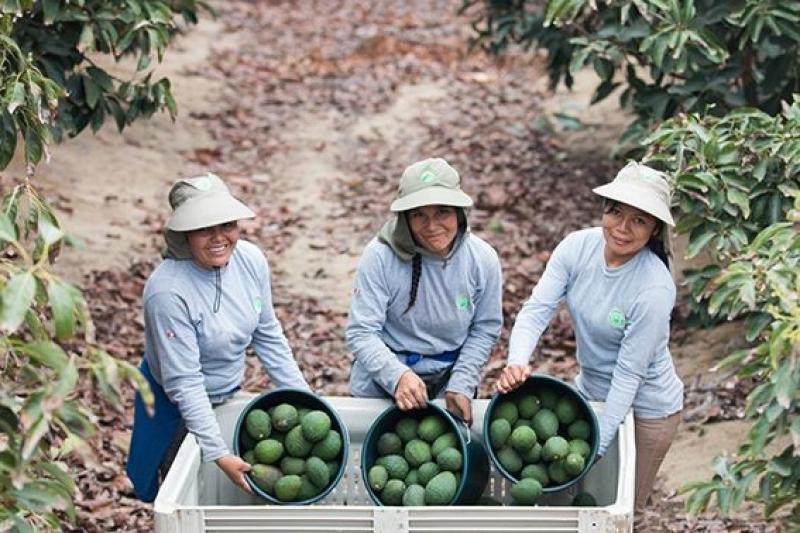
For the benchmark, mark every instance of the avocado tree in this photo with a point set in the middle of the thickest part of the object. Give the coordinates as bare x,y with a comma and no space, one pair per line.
51,87
737,188
668,56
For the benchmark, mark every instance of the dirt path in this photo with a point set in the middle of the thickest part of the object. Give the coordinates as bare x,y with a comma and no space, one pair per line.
321,260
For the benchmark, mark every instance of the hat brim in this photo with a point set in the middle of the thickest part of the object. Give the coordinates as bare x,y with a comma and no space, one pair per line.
207,211
639,197
431,196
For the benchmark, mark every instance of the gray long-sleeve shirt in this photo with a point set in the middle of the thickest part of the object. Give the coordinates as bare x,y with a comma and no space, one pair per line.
621,320
458,305
196,354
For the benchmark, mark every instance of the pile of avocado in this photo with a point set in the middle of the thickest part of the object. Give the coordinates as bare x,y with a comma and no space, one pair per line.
293,451
539,438
419,463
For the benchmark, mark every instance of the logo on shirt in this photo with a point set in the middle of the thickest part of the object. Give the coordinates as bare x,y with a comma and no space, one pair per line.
462,302
257,304
170,334
616,319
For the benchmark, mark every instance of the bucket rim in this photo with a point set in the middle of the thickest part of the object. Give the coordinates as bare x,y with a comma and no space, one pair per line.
586,407
393,410
272,394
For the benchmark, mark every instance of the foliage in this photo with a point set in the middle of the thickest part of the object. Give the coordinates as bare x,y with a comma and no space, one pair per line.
41,421
671,56
736,179
765,276
52,85
51,81
733,177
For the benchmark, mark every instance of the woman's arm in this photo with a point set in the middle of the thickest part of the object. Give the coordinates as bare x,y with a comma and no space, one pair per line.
536,314
646,333
269,341
545,298
172,340
483,332
368,306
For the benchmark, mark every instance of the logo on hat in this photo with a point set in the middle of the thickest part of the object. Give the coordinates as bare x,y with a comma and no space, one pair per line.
203,184
427,177
616,319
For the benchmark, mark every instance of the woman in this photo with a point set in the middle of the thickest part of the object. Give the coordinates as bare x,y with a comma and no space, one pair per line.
426,305
204,304
620,293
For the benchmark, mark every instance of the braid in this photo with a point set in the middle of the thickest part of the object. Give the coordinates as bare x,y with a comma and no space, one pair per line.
416,272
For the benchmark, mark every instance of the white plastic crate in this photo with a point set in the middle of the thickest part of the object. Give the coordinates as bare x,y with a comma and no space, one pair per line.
197,497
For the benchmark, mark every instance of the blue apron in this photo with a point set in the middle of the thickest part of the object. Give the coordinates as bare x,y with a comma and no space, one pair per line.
152,436
436,381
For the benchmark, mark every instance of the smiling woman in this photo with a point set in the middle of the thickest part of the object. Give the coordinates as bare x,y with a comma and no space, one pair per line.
425,310
617,285
203,306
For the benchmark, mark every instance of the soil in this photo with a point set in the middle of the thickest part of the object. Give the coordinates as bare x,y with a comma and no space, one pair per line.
315,146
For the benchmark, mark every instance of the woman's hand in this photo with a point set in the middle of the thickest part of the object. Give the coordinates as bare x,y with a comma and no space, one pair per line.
460,405
410,392
234,467
512,377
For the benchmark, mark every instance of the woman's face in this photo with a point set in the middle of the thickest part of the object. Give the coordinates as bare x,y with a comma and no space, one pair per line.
626,231
434,227
213,246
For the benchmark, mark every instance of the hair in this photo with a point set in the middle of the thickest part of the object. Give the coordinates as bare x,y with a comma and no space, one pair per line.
416,272
655,244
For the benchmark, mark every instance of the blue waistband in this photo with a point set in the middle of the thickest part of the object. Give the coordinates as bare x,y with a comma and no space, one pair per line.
412,358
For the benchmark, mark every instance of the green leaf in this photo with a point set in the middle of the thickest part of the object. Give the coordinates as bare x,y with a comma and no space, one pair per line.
17,297
740,200
756,323
698,243
785,386
63,308
101,78
46,353
33,146
8,232
51,10
50,232
17,99
91,90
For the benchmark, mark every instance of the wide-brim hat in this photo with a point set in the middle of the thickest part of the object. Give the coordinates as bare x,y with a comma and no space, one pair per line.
641,187
430,182
203,202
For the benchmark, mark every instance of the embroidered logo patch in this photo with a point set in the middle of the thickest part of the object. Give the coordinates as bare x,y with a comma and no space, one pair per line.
257,304
203,184
616,319
427,176
462,302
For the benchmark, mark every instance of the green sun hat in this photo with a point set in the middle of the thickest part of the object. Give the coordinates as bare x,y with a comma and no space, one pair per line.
430,182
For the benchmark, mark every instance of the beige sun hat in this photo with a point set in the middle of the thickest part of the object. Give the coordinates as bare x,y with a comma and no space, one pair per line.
430,182
199,202
641,187
203,202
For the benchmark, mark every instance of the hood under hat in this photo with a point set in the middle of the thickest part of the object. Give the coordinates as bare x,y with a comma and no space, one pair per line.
197,203
429,182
